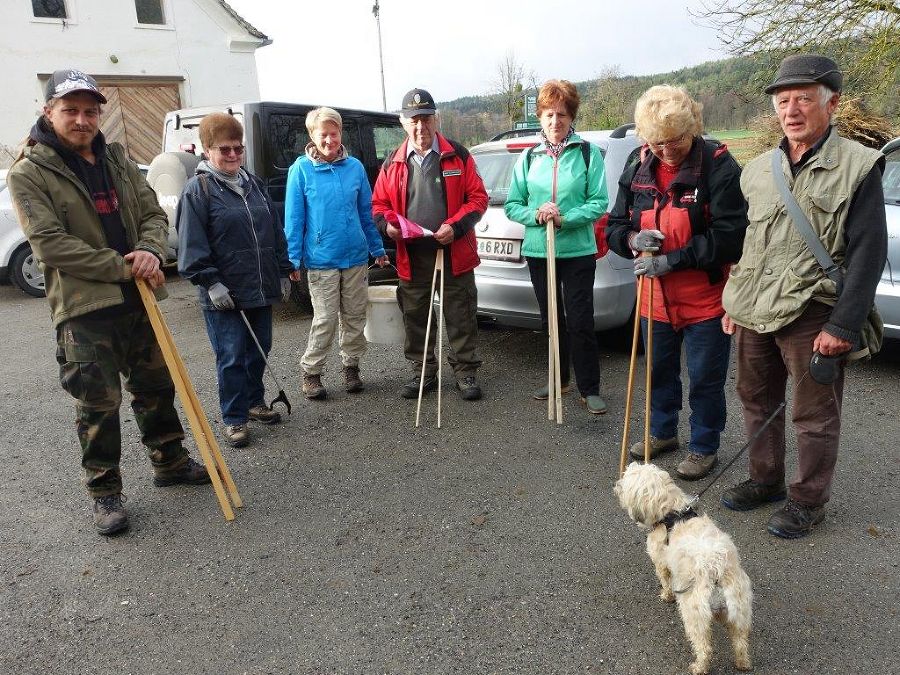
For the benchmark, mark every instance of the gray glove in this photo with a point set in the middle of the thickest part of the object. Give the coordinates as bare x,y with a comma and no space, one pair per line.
285,289
652,266
646,240
218,296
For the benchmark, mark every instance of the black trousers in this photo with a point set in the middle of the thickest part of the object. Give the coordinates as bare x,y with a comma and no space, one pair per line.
575,317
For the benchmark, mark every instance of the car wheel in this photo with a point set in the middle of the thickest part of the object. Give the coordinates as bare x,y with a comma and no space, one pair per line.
25,272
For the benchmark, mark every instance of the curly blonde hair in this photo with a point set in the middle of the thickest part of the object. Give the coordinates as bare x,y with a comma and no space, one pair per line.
664,112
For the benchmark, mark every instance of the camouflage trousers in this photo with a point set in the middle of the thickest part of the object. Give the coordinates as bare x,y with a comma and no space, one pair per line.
92,354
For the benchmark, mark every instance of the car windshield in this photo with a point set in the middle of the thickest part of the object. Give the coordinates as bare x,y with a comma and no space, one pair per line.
495,168
891,179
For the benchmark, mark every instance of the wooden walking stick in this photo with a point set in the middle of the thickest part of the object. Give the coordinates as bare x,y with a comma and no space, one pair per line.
629,392
438,267
203,434
554,382
648,358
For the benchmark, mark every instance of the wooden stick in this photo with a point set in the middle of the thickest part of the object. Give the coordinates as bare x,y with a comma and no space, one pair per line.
203,435
551,322
427,334
557,381
629,392
439,263
648,357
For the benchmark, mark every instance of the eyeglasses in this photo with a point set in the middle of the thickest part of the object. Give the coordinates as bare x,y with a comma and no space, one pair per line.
668,145
229,149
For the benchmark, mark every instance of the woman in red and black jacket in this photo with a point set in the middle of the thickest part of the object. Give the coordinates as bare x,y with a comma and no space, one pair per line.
680,213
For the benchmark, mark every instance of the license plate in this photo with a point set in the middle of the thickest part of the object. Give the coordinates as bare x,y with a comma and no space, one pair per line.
500,249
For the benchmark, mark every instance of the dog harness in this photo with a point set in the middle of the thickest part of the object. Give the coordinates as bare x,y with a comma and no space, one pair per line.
674,517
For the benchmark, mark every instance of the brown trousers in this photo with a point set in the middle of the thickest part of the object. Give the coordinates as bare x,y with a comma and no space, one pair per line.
764,361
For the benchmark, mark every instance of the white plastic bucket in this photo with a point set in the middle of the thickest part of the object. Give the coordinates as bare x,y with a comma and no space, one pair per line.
384,320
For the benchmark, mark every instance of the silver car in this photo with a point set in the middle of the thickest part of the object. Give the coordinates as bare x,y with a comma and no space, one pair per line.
17,262
887,297
504,286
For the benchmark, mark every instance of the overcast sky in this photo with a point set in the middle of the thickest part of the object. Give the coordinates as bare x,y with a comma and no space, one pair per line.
326,52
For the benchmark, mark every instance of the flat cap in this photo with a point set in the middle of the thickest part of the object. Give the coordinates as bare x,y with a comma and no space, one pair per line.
807,69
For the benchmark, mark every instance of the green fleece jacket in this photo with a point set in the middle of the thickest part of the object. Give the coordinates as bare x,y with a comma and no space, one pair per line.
580,195
81,272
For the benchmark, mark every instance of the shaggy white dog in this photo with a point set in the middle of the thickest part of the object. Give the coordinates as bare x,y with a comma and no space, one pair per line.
696,563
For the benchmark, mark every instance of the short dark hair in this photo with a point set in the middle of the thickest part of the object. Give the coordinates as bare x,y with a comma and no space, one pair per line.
217,127
554,92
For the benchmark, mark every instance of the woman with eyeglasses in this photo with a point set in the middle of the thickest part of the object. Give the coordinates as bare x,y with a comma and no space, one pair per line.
231,245
680,214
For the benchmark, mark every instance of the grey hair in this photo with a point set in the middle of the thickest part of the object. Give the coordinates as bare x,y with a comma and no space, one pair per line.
824,92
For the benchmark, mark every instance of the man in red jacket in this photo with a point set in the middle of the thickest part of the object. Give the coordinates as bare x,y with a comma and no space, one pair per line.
433,181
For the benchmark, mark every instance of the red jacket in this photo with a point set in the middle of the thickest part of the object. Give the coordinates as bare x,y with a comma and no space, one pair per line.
466,199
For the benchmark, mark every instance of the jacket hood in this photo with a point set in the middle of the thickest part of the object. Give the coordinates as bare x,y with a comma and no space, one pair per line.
316,157
42,132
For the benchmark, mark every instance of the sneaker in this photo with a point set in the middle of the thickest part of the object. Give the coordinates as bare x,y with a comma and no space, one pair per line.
109,514
543,393
696,466
312,387
237,435
658,446
750,494
468,387
262,414
411,388
352,383
794,520
189,473
594,404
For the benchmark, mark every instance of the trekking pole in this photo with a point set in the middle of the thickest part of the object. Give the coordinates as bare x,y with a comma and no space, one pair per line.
282,397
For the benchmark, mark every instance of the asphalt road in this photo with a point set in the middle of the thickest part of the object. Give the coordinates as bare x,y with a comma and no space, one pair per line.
492,545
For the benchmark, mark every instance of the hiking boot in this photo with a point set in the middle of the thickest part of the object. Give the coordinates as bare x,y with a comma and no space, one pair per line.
658,446
794,520
109,514
411,388
468,387
312,387
543,393
237,435
352,383
262,414
696,466
189,473
750,494
594,404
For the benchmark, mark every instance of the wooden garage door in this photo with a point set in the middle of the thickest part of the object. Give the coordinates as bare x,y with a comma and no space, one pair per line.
134,116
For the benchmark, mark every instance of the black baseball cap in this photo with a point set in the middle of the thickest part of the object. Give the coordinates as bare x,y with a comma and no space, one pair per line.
417,102
65,82
807,69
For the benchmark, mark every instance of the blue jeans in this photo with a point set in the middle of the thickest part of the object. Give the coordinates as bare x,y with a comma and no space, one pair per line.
707,349
239,365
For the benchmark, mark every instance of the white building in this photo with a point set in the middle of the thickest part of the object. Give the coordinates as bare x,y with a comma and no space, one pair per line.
149,56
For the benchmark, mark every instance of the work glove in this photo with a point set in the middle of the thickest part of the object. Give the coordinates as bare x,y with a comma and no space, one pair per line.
652,266
285,289
646,240
219,297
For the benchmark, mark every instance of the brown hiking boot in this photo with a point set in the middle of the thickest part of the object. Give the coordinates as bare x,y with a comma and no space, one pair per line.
695,466
260,413
795,520
237,435
657,447
312,387
750,494
189,473
109,514
352,383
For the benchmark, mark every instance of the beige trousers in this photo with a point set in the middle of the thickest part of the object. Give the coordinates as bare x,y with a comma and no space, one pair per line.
339,299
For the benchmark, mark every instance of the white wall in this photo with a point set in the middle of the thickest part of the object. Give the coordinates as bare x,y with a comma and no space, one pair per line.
202,44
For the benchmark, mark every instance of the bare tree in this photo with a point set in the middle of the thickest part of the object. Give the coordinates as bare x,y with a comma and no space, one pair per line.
863,35
609,103
508,85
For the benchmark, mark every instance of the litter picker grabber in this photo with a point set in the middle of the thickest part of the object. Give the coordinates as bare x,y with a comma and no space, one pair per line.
554,382
282,397
438,267
203,434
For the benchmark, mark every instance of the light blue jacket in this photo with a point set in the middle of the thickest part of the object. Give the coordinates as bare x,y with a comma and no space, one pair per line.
328,214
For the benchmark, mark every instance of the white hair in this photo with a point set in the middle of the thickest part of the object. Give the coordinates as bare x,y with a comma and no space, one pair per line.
824,92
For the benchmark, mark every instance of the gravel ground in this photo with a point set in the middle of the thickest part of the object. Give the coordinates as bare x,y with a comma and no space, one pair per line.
492,545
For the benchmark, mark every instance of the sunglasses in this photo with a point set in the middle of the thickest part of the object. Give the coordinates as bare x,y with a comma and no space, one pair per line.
230,149
668,145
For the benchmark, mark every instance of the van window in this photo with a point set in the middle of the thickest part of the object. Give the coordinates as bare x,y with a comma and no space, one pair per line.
287,137
388,137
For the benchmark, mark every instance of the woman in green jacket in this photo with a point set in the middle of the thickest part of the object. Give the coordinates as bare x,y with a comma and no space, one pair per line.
552,185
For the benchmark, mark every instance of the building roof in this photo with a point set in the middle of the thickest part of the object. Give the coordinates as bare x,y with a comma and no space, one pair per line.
246,25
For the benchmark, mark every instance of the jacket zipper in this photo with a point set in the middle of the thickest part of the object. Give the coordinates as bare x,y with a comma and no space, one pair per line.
256,240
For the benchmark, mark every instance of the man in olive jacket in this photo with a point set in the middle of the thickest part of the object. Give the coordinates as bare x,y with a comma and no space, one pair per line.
782,307
95,226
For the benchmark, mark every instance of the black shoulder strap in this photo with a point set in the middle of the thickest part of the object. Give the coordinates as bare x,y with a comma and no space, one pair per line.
460,150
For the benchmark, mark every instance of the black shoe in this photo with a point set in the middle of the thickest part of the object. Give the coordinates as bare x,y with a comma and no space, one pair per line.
468,386
794,520
352,383
109,515
190,473
411,388
750,494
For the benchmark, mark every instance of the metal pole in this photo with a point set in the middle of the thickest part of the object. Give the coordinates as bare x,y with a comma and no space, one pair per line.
376,10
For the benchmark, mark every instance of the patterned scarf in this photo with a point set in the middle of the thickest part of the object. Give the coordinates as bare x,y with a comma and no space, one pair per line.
555,149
